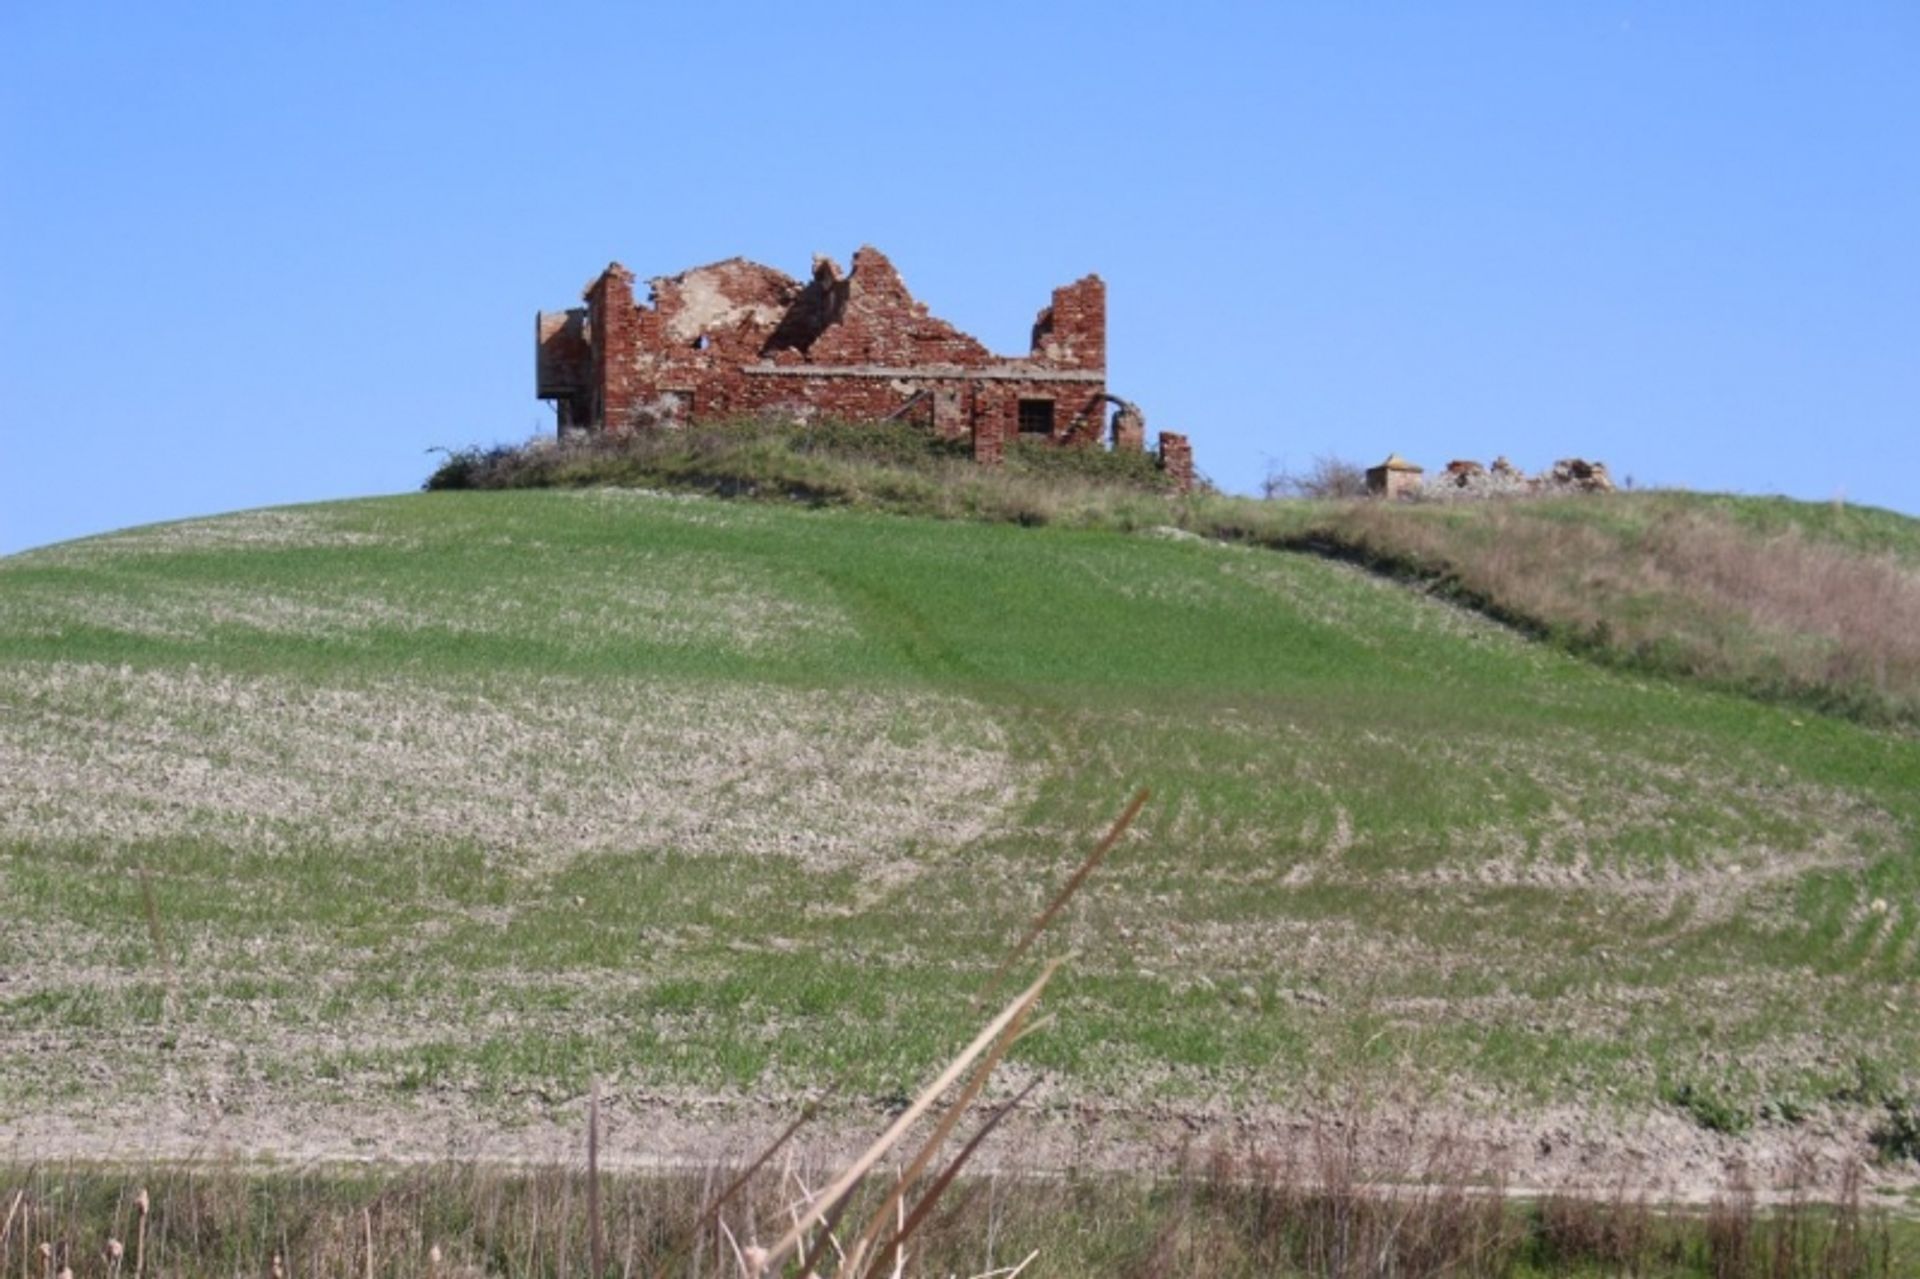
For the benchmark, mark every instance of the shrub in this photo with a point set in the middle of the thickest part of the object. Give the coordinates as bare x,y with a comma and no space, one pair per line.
462,468
892,443
1091,464
1870,1085
758,451
1709,1109
1328,478
1897,1136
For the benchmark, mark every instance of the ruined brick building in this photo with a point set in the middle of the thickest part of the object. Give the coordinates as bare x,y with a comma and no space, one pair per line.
740,338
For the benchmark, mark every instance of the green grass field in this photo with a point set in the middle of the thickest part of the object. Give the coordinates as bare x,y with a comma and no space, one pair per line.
450,803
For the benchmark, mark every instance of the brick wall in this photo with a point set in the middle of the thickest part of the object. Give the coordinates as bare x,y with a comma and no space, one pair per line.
614,329
1176,459
736,338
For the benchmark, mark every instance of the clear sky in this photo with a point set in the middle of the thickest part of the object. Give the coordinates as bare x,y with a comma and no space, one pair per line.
259,253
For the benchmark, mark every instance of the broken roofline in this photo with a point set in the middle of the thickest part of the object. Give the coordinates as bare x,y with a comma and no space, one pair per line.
1006,372
736,336
820,260
829,290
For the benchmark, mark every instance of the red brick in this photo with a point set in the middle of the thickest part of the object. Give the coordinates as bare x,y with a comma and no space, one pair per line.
737,338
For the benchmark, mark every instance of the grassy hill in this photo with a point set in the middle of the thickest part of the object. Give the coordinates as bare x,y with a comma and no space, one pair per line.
1813,604
449,803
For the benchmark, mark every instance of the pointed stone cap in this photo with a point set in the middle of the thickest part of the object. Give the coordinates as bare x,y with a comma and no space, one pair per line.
1395,462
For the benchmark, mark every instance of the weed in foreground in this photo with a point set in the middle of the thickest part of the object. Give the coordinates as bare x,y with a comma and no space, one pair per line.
1308,1210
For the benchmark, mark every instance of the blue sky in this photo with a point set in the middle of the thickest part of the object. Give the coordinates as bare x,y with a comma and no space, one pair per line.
264,253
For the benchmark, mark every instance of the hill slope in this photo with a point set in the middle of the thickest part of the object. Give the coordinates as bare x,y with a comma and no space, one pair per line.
450,803
1813,604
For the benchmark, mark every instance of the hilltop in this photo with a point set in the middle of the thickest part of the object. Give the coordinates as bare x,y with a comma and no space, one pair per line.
451,803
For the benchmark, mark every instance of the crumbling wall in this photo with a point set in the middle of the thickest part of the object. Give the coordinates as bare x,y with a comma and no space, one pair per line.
1071,332
731,305
736,337
1579,475
880,323
1176,460
615,328
1468,480
563,366
1129,426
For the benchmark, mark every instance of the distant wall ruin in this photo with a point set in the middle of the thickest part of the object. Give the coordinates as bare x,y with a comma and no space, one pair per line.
1463,479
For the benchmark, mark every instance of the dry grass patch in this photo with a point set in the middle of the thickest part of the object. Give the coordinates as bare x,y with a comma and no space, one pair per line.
1682,590
291,528
539,770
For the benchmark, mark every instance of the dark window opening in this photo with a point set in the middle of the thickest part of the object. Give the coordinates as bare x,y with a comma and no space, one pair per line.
1036,417
700,343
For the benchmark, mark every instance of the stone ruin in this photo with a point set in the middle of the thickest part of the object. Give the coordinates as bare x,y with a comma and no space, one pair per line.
1467,480
736,338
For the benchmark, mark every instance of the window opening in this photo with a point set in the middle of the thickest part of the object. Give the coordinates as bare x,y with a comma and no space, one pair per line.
1036,417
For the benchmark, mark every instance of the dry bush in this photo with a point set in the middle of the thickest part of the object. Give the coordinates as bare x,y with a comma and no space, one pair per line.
1619,1233
1327,478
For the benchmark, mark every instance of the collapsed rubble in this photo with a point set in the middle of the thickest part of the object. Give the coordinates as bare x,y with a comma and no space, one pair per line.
1465,479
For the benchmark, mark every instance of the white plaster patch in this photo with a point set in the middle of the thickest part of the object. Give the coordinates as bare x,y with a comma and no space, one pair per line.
706,306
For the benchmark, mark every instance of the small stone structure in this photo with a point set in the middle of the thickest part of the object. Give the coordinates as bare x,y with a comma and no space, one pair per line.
1394,478
735,338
